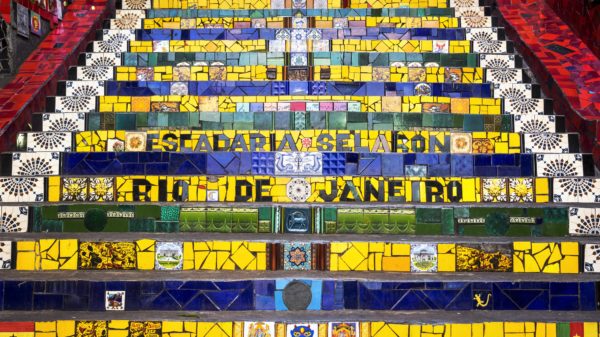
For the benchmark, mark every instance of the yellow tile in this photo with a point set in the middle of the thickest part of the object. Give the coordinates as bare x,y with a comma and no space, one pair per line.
493,329
65,328
45,326
461,330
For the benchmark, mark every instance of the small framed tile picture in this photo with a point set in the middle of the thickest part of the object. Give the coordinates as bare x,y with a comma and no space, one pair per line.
114,300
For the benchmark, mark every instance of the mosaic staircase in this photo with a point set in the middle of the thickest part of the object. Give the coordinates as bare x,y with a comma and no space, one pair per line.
199,152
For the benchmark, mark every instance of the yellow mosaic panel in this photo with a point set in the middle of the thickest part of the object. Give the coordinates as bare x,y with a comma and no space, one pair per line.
369,256
145,250
546,257
107,255
310,189
47,254
225,255
220,22
200,46
398,3
201,73
262,4
397,46
446,257
124,328
187,103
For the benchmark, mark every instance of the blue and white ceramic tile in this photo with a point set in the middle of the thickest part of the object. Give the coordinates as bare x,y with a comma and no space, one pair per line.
95,73
584,221
84,88
497,61
577,190
25,189
103,59
35,164
559,165
14,219
534,124
5,255
512,90
591,258
548,142
49,141
519,105
504,75
84,102
298,163
66,122
423,257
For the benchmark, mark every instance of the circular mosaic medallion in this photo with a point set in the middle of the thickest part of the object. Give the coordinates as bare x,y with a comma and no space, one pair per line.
298,190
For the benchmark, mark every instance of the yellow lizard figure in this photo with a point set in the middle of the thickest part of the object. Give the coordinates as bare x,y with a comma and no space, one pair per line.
480,303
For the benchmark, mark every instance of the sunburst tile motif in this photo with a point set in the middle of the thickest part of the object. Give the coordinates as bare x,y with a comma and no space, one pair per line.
591,258
584,221
67,122
476,22
497,61
136,4
112,43
35,163
85,101
95,73
534,124
489,47
481,34
464,3
548,142
512,90
579,190
127,19
49,141
524,106
84,88
103,59
14,219
21,189
5,255
559,165
504,75
469,11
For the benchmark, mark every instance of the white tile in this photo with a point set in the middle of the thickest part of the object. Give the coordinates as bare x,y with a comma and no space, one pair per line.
70,122
591,258
513,90
497,61
524,105
504,75
256,329
469,11
17,189
84,88
579,190
559,165
103,59
481,34
49,141
14,219
548,142
423,257
298,163
136,4
490,47
5,255
75,103
95,73
114,300
584,221
534,124
113,42
464,3
476,21
35,164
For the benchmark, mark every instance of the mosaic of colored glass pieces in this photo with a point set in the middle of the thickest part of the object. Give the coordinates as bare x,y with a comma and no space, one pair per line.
206,137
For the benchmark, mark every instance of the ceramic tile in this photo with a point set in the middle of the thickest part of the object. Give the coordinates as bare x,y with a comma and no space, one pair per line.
581,190
14,189
552,143
169,256
297,256
35,164
63,122
584,221
343,329
298,163
559,165
531,124
114,300
14,219
259,329
423,257
5,255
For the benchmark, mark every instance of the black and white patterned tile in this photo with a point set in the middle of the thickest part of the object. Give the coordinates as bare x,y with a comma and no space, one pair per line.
523,106
513,90
559,165
21,189
35,164
464,3
482,34
469,11
476,22
95,73
114,42
591,258
584,221
127,19
534,124
103,59
547,142
576,190
497,61
67,122
85,101
14,219
504,75
5,255
84,88
136,4
49,141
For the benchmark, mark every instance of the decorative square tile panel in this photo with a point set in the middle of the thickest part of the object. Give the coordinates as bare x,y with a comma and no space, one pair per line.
85,102
14,219
477,22
343,329
35,163
521,106
497,61
136,4
66,122
114,300
95,73
169,256
297,256
298,163
259,329
103,59
534,124
423,257
584,221
591,258
510,90
302,330
5,255
580,190
16,189
461,142
545,142
559,165
504,75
